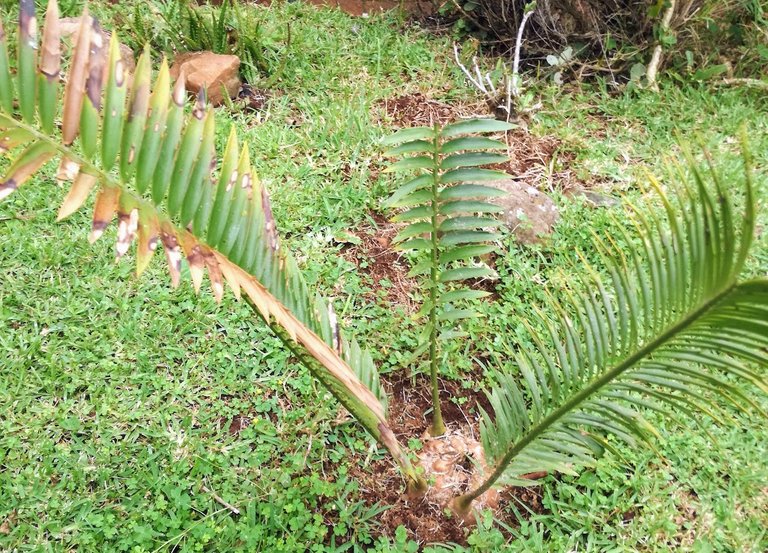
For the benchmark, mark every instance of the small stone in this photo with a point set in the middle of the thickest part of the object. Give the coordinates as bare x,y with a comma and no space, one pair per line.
217,73
528,213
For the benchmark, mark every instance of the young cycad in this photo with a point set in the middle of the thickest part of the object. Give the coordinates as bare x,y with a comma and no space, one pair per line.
447,215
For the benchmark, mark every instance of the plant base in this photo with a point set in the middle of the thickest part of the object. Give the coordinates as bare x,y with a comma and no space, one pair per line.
453,462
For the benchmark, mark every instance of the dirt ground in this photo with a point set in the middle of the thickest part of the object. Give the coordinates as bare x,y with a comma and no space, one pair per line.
381,483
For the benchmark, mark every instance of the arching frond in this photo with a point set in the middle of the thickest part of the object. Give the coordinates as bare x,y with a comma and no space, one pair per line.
675,331
154,168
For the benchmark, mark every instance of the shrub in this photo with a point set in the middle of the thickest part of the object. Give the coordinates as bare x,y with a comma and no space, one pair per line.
611,35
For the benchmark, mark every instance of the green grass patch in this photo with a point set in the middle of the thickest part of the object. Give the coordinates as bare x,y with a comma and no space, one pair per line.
128,410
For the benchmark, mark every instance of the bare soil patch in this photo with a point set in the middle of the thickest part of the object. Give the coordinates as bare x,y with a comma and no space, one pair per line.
378,261
425,519
418,110
541,161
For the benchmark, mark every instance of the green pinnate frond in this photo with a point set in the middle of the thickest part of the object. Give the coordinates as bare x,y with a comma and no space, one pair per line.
671,329
154,168
443,207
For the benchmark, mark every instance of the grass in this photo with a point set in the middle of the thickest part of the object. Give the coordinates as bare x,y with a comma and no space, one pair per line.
122,400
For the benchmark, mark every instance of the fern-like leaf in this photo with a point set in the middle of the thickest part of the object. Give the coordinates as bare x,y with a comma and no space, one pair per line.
676,332
449,219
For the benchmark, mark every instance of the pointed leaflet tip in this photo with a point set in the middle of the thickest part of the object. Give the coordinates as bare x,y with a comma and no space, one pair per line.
67,170
50,60
77,195
229,275
194,253
179,90
148,236
199,111
128,224
172,252
214,274
103,211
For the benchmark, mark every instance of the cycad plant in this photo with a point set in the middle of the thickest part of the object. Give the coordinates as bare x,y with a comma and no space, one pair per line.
671,328
446,212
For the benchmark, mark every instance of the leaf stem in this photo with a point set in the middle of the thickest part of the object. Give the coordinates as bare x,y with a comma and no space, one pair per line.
438,427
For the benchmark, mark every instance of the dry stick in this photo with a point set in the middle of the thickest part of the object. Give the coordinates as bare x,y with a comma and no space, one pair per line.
653,65
219,499
518,44
512,84
477,83
759,83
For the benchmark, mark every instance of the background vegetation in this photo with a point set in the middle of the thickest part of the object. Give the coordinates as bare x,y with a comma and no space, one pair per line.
123,417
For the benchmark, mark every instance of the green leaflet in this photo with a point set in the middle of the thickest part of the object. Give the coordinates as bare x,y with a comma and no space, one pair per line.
6,82
161,178
468,206
475,126
112,126
471,143
133,133
468,223
158,107
408,164
468,237
26,70
411,186
472,175
466,273
414,198
471,159
408,135
465,191
464,253
185,158
413,147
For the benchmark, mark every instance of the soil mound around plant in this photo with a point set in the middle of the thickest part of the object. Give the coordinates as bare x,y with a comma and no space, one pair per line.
426,519
418,110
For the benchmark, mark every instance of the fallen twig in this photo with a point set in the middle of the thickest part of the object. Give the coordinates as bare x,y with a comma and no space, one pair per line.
759,83
220,500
